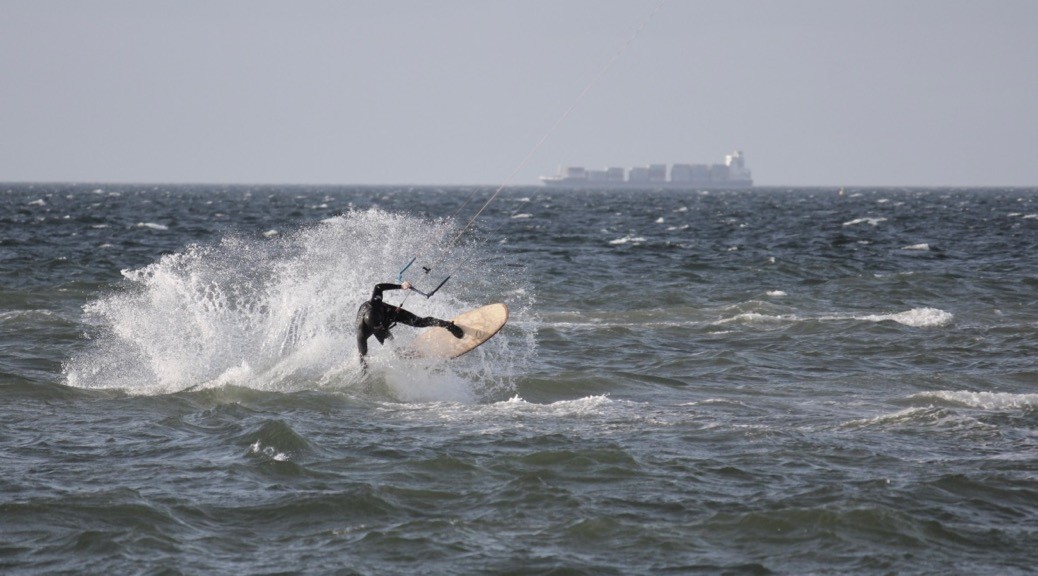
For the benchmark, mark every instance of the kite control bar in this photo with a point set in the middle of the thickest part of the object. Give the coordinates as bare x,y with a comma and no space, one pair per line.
400,279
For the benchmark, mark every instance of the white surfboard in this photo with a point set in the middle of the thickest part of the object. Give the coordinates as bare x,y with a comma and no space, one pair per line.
478,325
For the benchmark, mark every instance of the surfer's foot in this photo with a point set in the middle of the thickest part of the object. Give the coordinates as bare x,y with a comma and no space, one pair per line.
455,330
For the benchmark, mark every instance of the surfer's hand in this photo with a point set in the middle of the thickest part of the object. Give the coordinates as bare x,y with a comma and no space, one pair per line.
406,285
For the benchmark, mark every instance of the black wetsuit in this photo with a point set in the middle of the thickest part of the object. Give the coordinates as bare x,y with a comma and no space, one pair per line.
375,317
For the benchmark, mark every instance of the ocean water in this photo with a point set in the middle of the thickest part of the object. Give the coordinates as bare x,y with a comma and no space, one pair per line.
757,382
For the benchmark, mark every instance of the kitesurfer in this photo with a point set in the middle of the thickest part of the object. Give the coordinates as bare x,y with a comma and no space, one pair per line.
375,317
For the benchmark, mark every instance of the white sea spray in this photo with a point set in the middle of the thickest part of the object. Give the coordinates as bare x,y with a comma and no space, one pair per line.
278,313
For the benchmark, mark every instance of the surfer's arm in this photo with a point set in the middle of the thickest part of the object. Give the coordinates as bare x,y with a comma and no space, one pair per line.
376,294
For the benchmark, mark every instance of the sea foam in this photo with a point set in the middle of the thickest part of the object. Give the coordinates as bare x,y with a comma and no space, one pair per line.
869,221
984,400
916,317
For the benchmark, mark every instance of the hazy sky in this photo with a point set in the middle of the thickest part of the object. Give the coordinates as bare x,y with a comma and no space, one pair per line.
815,92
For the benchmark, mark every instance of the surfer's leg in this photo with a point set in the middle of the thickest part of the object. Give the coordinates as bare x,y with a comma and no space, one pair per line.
405,317
363,331
455,331
362,349
362,344
402,316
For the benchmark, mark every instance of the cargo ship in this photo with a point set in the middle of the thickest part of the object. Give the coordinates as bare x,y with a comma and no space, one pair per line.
733,174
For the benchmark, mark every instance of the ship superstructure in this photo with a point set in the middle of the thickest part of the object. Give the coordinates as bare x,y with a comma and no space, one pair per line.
732,174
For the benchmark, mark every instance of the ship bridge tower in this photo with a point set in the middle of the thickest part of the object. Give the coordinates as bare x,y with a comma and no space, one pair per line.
737,169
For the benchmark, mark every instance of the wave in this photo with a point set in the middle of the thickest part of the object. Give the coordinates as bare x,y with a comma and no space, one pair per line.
931,418
908,415
629,239
764,315
916,318
588,413
515,406
757,319
937,409
26,316
869,221
996,401
152,225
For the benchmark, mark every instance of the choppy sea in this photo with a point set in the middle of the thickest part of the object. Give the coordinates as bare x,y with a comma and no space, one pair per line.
771,381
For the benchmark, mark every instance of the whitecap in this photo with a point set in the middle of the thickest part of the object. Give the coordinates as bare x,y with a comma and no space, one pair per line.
521,216
776,293
983,400
931,417
514,407
588,405
924,247
152,226
24,314
755,318
916,317
869,221
901,416
268,451
629,239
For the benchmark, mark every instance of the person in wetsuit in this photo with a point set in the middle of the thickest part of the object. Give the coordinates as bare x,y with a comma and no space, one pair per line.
375,317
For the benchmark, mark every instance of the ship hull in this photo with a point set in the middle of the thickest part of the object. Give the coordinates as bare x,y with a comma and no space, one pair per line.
584,184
